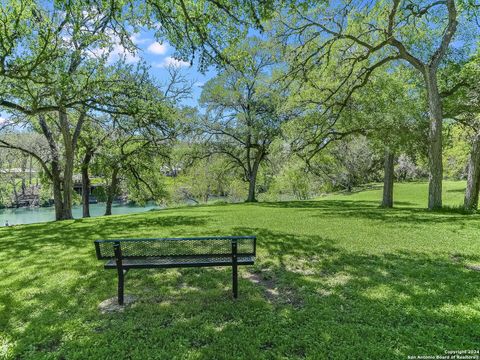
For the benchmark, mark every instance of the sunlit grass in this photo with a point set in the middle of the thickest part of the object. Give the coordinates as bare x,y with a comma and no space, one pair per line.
337,278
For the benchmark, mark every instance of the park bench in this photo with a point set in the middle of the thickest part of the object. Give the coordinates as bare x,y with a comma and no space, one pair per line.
126,254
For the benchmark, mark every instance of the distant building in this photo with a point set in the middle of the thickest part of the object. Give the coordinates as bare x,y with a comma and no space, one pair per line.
78,188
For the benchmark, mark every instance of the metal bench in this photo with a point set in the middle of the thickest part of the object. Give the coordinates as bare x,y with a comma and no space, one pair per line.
126,254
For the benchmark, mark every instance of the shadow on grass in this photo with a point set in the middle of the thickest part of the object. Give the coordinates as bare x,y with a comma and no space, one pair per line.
456,191
367,209
31,238
393,296
359,189
331,303
353,305
323,204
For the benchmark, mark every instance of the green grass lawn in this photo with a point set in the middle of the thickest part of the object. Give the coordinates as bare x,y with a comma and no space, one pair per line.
337,278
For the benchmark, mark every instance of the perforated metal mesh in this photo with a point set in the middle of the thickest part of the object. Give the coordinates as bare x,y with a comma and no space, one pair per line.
142,248
179,261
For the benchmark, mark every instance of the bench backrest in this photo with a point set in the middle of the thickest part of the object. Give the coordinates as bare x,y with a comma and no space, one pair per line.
176,247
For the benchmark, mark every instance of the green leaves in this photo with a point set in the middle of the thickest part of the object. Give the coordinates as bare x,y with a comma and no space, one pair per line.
204,28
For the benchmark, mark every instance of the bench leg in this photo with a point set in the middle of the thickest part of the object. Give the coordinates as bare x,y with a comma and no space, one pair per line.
235,281
234,269
118,259
121,279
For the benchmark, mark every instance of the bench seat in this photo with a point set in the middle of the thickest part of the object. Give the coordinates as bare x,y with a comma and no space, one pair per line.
126,254
173,262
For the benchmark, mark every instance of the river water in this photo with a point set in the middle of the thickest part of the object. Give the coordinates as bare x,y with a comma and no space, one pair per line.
44,214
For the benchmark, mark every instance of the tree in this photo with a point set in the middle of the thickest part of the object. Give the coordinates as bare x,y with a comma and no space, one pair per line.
462,103
365,36
292,179
90,141
388,110
473,177
63,127
390,107
126,157
204,178
243,115
205,28
137,141
25,25
347,163
51,57
55,96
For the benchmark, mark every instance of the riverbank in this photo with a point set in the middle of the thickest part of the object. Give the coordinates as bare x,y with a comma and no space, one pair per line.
30,215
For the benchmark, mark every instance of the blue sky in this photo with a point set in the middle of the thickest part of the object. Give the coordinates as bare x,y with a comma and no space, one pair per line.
158,56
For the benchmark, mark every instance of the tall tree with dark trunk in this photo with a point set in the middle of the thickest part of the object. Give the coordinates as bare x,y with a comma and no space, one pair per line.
86,183
388,110
90,142
391,109
388,178
365,36
53,60
243,114
461,94
54,96
133,143
62,181
112,189
473,177
125,156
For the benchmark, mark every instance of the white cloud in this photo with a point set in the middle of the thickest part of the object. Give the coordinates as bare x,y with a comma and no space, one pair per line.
120,52
157,48
4,121
98,52
117,51
172,62
137,39
199,84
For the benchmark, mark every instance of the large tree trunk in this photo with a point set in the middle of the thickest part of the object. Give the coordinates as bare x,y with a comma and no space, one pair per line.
57,191
387,200
435,140
55,171
67,190
62,185
69,153
251,189
252,181
473,177
111,191
86,184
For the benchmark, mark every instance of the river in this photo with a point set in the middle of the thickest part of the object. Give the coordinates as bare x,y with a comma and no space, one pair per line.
44,214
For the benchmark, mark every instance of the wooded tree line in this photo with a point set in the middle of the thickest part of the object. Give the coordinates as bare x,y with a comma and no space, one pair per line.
307,95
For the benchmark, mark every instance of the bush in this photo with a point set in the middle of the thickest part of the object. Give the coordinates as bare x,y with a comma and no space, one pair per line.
237,190
407,170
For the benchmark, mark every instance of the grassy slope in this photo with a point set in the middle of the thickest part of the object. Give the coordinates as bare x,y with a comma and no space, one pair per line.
352,281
